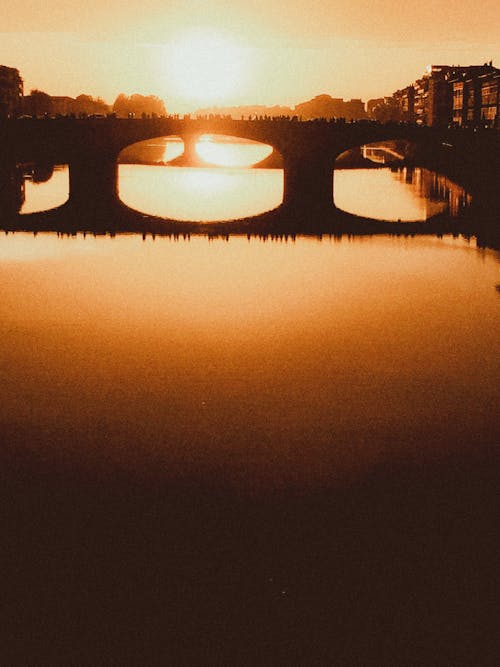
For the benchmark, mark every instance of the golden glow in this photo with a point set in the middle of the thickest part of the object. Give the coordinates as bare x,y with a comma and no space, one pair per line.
267,362
199,193
291,52
24,247
205,66
228,152
47,195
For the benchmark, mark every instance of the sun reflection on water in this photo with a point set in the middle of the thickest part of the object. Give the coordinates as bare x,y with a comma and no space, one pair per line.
202,194
229,152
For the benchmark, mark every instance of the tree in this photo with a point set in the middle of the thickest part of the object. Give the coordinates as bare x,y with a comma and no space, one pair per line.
86,104
138,105
386,111
38,103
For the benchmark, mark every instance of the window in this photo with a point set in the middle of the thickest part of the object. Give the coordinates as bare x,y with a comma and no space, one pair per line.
489,93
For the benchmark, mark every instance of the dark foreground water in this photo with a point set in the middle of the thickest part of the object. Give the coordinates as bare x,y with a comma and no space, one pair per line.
249,453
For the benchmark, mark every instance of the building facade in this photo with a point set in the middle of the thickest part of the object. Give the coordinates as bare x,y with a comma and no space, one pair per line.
62,106
373,104
490,99
11,92
420,105
452,95
438,111
474,95
405,100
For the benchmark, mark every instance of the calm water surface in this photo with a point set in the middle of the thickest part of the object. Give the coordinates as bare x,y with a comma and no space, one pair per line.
259,364
47,195
236,190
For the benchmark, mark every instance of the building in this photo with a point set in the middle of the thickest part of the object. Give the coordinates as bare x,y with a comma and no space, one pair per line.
11,92
439,96
490,99
40,104
420,105
474,91
466,100
354,109
460,102
325,106
62,106
373,104
452,95
405,101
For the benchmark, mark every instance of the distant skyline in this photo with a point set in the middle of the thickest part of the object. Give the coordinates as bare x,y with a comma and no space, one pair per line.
194,54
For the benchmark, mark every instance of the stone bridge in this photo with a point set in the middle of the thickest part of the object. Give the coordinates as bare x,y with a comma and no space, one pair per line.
308,149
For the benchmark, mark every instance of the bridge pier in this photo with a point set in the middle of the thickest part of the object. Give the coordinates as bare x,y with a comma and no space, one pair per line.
189,157
308,185
93,183
11,189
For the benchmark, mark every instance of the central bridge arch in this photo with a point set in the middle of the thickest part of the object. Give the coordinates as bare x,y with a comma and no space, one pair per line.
153,184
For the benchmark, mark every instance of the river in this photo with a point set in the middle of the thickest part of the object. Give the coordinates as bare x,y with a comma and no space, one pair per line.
235,190
268,362
249,451
264,363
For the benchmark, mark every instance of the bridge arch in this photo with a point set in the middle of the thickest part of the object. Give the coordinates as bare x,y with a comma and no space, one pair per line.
414,189
154,151
91,148
150,184
194,149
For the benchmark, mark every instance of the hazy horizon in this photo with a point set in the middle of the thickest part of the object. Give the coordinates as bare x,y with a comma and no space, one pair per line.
218,53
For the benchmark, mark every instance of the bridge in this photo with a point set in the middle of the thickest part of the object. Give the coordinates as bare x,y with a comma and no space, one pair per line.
91,148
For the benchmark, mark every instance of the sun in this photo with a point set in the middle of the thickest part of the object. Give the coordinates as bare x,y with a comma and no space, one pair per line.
205,66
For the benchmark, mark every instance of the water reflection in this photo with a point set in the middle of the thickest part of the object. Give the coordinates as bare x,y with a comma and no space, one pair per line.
208,194
435,188
200,193
405,194
46,186
225,193
253,363
32,187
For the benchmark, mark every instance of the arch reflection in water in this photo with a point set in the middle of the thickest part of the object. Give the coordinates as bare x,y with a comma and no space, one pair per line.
25,188
204,194
436,188
44,187
229,190
403,194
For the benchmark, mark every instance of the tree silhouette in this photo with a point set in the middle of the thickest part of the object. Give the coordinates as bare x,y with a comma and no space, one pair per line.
38,103
138,105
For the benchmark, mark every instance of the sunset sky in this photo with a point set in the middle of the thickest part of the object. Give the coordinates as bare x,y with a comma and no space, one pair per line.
226,52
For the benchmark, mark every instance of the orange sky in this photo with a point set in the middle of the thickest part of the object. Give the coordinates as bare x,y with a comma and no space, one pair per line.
277,52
